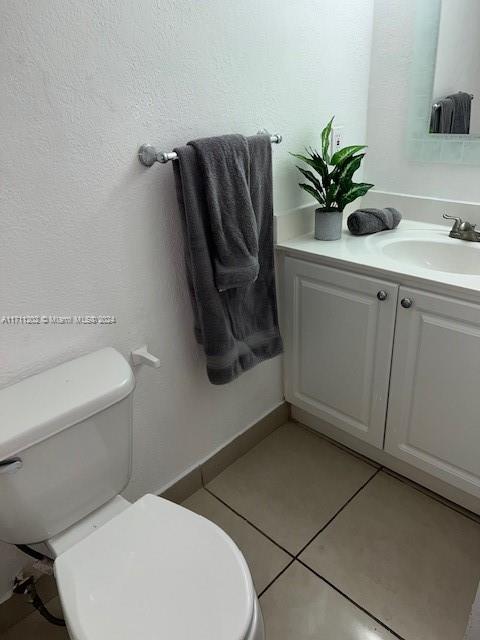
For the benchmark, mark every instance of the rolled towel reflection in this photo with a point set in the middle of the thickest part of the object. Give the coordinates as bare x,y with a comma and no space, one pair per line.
363,221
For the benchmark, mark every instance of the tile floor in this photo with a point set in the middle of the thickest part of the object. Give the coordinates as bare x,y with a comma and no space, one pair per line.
338,548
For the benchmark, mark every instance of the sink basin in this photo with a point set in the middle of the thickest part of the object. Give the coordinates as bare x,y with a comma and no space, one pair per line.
436,253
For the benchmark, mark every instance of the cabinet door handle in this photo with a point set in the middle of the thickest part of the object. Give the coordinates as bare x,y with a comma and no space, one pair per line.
382,295
406,303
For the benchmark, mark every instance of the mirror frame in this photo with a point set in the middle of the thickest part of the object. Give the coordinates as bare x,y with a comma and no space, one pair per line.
422,145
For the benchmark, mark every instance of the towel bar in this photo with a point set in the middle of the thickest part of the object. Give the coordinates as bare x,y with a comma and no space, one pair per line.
148,155
437,106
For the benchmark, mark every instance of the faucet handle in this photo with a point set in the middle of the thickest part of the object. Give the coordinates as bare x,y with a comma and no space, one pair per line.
458,221
455,230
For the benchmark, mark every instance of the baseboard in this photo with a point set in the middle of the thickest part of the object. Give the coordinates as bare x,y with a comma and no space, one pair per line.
439,487
200,475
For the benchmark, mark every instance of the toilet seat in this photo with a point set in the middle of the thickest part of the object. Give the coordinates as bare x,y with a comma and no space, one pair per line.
156,571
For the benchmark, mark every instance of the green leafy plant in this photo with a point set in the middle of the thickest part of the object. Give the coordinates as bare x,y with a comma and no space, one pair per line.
334,187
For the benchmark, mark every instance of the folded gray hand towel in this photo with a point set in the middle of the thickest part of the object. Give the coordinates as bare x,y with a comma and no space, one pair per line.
225,165
363,221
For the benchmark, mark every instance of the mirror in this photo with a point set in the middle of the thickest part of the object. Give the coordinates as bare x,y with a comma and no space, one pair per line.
456,81
444,114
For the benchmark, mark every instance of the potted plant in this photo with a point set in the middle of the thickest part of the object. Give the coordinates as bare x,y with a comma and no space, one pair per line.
333,188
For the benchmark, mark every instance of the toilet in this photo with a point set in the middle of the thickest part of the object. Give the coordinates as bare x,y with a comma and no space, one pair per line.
148,570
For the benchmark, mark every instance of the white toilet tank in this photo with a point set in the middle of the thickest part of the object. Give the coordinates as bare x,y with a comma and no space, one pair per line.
65,445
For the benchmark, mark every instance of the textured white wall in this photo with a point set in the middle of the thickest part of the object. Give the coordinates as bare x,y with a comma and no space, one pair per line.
86,229
387,164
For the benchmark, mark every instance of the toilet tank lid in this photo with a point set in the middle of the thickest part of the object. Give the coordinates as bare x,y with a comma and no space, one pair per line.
45,404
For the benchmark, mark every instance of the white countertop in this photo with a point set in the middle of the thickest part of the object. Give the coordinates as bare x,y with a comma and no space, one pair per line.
366,254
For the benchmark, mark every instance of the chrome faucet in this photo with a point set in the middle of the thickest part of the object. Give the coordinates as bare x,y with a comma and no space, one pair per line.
462,230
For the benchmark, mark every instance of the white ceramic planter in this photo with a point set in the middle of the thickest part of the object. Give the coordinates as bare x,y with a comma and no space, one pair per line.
328,224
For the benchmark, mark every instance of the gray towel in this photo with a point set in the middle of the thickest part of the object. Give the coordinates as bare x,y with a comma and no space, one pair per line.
363,221
238,328
461,112
442,116
225,165
452,114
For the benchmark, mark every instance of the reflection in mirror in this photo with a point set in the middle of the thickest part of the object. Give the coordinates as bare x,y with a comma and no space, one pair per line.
457,70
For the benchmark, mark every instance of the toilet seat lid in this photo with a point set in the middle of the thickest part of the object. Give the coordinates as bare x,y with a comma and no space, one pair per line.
156,571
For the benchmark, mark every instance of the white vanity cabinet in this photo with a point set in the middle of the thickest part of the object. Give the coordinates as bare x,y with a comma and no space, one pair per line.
434,405
394,366
338,346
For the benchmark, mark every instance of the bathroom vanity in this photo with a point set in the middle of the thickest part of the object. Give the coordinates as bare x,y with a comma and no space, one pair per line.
382,349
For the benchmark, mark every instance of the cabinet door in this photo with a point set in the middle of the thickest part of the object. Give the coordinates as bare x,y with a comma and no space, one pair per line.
434,407
338,344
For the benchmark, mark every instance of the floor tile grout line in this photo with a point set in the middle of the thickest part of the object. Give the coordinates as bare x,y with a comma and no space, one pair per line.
265,535
344,595
431,494
293,557
276,577
296,556
337,513
395,474
339,445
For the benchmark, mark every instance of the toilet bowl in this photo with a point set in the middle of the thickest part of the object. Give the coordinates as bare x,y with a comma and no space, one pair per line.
157,570
148,570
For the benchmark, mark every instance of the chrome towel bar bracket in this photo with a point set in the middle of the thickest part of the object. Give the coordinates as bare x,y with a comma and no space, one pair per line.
148,155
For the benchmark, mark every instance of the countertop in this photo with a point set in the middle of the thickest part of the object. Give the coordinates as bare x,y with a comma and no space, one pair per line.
365,254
